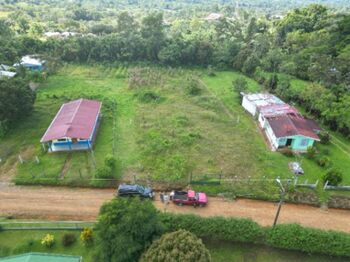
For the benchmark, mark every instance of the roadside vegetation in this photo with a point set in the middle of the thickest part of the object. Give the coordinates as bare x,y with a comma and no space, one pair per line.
128,229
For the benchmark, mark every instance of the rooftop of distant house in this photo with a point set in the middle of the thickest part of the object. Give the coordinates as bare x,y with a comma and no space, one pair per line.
213,16
41,257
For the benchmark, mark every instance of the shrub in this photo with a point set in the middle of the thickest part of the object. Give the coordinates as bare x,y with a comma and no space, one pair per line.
194,88
68,239
287,151
333,176
110,161
104,172
86,236
177,246
210,71
149,97
48,241
231,229
324,161
240,85
296,237
325,137
311,152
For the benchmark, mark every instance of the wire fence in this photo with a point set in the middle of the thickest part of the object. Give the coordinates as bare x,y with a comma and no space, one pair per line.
46,225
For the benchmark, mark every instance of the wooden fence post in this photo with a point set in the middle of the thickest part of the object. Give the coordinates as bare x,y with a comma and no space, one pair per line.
20,159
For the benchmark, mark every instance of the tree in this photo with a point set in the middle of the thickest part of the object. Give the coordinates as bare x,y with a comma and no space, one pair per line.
125,228
152,32
16,101
177,246
250,65
240,85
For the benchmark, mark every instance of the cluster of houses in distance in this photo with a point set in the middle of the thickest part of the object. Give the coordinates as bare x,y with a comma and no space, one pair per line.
31,62
282,124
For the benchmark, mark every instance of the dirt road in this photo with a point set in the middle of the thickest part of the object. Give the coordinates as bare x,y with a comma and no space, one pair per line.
57,203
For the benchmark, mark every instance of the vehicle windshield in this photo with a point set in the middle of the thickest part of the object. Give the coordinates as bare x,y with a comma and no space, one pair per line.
140,189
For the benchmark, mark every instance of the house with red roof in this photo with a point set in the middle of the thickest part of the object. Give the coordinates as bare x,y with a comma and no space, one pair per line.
74,126
291,131
284,126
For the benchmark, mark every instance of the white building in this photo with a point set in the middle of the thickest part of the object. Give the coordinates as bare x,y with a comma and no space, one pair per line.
252,102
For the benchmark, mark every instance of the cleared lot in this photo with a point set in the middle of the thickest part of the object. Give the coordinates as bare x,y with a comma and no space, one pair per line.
58,203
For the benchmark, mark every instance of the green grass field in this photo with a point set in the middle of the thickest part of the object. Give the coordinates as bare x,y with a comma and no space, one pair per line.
17,242
161,130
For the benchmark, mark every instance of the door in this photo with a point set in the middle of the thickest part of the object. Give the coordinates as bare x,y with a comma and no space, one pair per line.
289,142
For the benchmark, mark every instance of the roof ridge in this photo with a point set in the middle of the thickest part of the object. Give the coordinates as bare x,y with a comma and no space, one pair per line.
74,115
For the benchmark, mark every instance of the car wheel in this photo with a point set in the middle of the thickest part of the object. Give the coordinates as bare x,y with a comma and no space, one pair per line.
180,204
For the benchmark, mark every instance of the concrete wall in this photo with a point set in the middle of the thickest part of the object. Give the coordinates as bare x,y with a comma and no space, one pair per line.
301,143
249,106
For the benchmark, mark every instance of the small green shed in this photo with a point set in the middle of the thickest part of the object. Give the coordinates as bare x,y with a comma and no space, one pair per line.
41,257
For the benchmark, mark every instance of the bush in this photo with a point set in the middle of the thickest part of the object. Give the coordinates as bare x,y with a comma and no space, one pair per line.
287,151
296,237
333,176
324,161
104,172
210,71
149,97
110,161
325,137
86,236
177,246
311,152
48,241
231,229
194,87
68,239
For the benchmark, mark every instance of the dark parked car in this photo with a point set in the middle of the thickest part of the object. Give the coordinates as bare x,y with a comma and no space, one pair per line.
135,190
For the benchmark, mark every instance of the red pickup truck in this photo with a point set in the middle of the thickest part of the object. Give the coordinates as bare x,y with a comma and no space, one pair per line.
189,198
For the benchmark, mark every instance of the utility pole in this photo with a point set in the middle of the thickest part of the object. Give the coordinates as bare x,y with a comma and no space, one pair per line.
282,193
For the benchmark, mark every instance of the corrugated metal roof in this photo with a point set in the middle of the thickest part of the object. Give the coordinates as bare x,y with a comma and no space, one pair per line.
285,126
41,257
264,99
75,119
278,109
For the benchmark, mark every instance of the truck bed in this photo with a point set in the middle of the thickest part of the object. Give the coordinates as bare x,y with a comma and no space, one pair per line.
180,195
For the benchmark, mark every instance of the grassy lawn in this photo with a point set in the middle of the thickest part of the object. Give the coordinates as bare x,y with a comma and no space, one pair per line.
17,242
271,163
155,128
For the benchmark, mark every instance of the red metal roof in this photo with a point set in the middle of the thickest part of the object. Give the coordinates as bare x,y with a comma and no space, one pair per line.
75,119
285,125
278,109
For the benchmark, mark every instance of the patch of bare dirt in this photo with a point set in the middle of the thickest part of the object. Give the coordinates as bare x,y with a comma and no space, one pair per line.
58,203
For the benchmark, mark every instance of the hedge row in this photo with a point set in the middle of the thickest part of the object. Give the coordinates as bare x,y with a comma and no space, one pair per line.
296,237
230,229
288,236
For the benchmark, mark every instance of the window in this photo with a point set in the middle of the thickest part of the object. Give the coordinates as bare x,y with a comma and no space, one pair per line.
304,142
62,140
